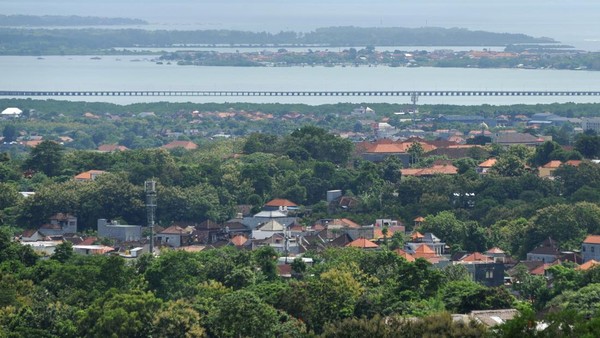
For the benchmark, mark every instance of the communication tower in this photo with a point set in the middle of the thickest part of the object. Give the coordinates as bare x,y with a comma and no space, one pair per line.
150,188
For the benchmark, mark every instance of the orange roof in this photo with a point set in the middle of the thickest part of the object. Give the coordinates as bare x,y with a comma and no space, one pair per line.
111,147
552,164
405,255
410,171
541,270
426,146
181,144
592,239
476,257
343,222
587,265
239,240
363,243
488,163
89,241
495,250
280,202
424,251
386,148
419,219
574,163
417,235
89,175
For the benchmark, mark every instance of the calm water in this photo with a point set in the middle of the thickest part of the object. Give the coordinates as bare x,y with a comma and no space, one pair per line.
572,22
65,73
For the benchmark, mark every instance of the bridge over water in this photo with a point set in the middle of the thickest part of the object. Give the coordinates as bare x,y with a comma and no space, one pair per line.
13,93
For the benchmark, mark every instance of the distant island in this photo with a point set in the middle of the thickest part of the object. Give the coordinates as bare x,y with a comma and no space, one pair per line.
63,20
103,41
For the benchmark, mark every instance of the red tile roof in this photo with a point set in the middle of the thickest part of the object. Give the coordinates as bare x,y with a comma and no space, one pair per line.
434,170
552,164
89,175
592,239
280,202
181,144
495,250
488,163
238,240
587,265
424,251
405,255
363,243
476,257
111,147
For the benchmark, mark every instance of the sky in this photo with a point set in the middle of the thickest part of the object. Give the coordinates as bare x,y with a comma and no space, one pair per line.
572,22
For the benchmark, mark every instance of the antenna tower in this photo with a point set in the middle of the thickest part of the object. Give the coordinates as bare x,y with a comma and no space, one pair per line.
150,188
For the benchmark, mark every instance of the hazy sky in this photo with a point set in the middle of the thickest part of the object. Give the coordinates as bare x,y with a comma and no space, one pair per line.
573,21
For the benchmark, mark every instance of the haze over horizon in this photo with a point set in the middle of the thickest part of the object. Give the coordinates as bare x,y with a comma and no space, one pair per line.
573,22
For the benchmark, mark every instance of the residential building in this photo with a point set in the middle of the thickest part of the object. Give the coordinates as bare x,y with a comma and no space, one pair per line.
508,139
187,145
107,148
546,252
590,248
89,175
486,165
59,225
175,235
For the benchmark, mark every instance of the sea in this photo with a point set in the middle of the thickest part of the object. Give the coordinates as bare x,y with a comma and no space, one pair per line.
570,22
145,73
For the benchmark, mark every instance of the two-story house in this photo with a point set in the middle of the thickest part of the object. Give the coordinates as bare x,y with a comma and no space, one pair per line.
590,248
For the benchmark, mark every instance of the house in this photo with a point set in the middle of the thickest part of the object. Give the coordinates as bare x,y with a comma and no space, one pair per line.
280,204
546,252
238,241
44,248
492,318
362,243
508,139
175,235
428,239
119,232
466,119
92,249
590,248
548,169
89,175
497,254
268,229
483,269
405,255
208,232
588,265
437,169
11,113
59,225
264,216
187,145
486,165
107,148
31,235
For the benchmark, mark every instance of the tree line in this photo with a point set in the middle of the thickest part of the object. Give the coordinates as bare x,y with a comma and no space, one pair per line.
16,41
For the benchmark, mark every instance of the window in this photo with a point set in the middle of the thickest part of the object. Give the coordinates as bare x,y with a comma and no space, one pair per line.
592,249
489,274
583,249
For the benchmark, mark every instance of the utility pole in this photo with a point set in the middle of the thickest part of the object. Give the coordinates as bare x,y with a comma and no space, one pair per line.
150,188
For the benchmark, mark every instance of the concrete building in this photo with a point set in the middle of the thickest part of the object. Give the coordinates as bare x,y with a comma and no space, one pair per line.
119,232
